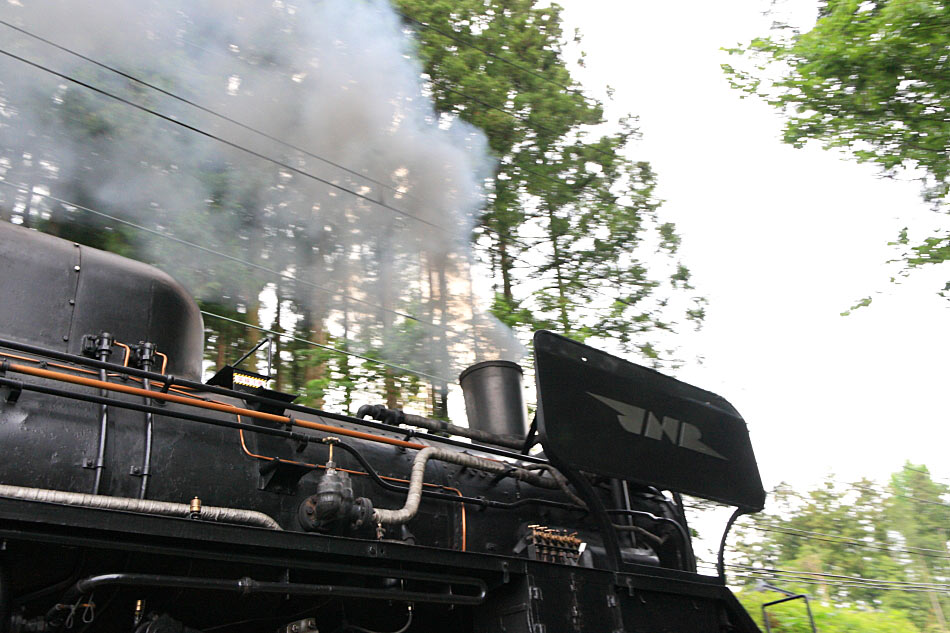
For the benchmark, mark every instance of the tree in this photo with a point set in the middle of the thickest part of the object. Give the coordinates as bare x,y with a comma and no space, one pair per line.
568,211
871,77
358,231
857,547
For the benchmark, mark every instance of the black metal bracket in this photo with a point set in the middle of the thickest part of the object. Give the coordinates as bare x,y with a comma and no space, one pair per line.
531,437
721,559
594,504
282,477
15,386
800,596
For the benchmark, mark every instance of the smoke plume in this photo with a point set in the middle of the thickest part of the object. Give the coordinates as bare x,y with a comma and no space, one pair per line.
363,212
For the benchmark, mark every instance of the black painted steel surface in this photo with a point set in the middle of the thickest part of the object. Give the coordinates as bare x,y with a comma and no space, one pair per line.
465,559
55,291
599,413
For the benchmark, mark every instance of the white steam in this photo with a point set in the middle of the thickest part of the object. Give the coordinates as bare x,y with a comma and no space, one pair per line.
336,78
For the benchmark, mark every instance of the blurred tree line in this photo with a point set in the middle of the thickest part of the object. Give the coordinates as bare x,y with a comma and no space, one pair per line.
871,78
568,220
872,558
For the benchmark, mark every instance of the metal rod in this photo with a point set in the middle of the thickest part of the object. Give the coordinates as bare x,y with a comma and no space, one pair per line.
105,349
270,355
147,457
120,404
139,373
250,351
300,437
246,586
721,559
765,619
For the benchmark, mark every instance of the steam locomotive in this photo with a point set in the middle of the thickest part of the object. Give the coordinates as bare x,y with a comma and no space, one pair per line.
134,497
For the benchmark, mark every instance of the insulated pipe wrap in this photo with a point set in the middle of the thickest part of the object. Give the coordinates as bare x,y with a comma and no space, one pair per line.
408,511
141,506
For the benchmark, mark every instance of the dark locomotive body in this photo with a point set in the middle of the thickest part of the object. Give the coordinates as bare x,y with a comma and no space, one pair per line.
486,551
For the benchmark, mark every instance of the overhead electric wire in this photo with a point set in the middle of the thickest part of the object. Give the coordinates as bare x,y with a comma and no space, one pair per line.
896,494
843,541
270,137
216,253
925,472
825,579
233,121
196,105
220,139
328,347
821,583
232,258
857,579
191,103
850,540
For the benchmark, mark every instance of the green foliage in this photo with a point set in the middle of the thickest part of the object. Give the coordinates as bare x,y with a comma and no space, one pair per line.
863,303
856,547
871,78
567,209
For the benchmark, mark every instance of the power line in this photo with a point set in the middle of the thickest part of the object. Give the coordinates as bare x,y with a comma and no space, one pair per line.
329,348
895,494
925,472
268,136
827,538
198,106
241,148
841,580
221,140
244,126
841,584
189,102
853,541
219,254
847,578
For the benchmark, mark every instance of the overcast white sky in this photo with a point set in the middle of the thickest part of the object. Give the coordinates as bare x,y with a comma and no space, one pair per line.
781,241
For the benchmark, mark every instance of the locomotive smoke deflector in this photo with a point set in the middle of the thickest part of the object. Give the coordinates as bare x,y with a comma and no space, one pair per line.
601,414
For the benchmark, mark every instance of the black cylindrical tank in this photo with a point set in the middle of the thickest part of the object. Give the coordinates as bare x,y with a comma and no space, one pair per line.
494,401
55,292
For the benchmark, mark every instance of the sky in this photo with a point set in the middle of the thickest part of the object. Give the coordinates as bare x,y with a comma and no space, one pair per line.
780,241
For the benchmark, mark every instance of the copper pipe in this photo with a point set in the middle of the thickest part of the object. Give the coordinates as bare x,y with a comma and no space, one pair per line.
57,365
128,352
214,406
358,472
164,361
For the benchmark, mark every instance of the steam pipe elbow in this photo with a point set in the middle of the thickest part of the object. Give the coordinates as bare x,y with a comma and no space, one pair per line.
366,410
411,507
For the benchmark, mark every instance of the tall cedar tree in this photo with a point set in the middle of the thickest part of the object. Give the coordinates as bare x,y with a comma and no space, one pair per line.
568,211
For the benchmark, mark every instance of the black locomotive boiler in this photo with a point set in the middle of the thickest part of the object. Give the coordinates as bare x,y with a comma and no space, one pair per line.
134,497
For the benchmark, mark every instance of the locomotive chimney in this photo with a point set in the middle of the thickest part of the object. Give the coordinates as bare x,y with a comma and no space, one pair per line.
493,397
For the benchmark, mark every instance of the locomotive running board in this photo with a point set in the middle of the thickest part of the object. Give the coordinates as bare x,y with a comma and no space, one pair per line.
601,414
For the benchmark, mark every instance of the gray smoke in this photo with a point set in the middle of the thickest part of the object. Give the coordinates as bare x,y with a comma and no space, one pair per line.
336,78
